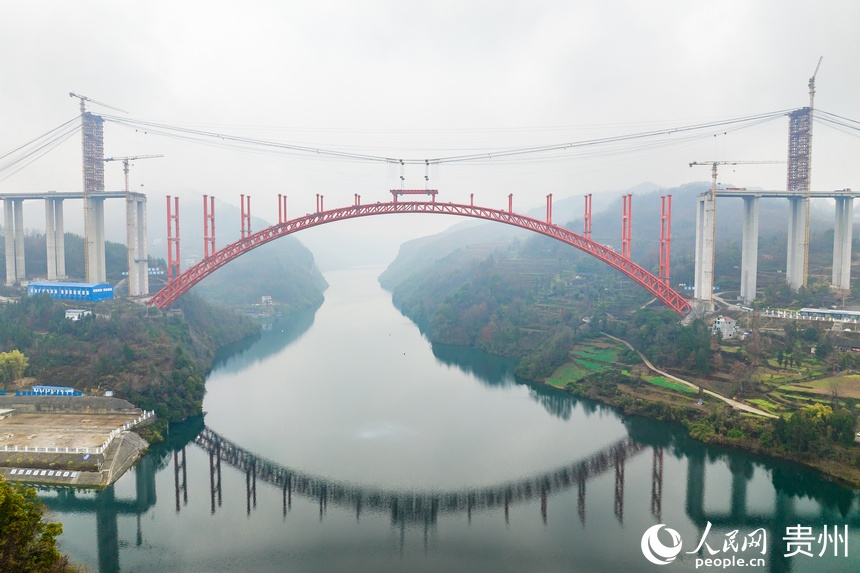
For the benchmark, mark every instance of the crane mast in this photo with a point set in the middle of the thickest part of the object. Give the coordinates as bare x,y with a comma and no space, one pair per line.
92,151
125,165
132,244
808,178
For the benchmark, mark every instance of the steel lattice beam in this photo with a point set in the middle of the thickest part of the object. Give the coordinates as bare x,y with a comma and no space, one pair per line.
181,284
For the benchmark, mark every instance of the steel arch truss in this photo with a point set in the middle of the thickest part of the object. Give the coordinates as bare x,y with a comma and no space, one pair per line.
181,284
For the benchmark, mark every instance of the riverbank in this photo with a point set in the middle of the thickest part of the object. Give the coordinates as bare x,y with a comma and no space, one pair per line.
707,417
82,441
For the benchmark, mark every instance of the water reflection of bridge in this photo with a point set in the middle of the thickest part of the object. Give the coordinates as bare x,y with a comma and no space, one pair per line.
415,506
835,505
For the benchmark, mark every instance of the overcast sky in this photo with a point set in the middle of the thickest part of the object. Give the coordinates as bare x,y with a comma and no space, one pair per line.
418,80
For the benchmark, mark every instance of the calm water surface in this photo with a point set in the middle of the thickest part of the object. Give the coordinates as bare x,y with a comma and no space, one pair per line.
343,441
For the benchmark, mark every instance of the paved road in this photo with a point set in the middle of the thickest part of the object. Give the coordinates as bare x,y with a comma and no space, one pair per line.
733,403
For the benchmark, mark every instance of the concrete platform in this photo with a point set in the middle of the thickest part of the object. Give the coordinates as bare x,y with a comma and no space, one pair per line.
61,440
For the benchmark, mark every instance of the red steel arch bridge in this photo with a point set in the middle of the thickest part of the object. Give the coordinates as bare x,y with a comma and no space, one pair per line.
180,283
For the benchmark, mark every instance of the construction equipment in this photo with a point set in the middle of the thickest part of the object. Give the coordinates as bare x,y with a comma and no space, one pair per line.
710,219
125,164
86,99
809,174
131,245
92,148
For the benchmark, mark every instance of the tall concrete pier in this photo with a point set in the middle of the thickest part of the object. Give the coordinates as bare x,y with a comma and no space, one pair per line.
13,217
704,279
138,266
13,212
842,237
797,240
749,249
95,238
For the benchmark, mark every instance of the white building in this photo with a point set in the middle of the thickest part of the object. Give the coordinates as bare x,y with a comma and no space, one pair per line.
725,326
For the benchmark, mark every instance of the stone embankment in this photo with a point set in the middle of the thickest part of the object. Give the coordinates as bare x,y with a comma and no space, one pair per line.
81,441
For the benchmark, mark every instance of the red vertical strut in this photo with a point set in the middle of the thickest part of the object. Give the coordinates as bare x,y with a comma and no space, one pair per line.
626,220
511,203
472,199
586,226
245,200
282,208
208,226
666,238
172,239
549,209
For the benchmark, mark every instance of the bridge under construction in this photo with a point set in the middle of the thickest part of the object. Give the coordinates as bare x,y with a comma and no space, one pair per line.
798,193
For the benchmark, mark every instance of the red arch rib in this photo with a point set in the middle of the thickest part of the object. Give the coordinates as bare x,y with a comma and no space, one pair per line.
176,288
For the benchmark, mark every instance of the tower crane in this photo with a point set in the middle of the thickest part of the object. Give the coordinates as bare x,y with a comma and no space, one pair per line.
85,99
714,165
125,164
128,213
809,175
88,159
711,212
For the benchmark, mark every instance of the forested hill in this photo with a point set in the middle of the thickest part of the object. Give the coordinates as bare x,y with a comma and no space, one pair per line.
283,269
156,360
421,254
527,295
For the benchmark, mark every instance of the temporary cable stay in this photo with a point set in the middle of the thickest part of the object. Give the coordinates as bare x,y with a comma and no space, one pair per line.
694,131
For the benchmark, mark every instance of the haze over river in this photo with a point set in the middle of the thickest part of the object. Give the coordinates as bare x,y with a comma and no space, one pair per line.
348,443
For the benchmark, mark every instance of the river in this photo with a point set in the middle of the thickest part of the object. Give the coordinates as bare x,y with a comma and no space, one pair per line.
342,440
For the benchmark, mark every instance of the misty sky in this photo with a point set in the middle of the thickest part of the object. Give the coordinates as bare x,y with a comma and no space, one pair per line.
419,80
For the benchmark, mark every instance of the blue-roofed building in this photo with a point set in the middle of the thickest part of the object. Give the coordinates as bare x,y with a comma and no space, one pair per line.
93,292
54,390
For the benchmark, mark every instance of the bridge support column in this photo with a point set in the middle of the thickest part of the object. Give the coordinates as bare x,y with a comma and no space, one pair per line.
55,240
50,239
131,249
138,265
9,232
20,269
586,219
704,268
749,250
96,239
797,245
60,239
626,223
142,251
842,236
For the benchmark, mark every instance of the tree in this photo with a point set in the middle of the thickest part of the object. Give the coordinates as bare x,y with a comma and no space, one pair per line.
12,365
27,542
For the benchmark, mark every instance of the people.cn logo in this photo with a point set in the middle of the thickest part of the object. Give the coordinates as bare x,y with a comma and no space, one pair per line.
654,550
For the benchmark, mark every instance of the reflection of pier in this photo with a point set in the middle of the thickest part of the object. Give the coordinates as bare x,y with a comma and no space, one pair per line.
107,508
414,508
417,506
774,520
